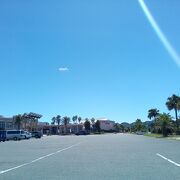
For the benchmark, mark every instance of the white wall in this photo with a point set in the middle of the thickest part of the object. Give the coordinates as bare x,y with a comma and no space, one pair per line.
107,125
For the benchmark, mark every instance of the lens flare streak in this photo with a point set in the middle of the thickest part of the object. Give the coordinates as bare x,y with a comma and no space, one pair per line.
159,33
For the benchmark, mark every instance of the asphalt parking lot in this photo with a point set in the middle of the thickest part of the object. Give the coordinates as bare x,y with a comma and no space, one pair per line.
113,156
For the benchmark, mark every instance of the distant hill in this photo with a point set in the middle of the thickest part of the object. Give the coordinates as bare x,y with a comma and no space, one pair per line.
129,125
148,123
126,125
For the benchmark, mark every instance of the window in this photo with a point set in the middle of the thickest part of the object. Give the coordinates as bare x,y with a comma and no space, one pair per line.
9,125
13,132
2,125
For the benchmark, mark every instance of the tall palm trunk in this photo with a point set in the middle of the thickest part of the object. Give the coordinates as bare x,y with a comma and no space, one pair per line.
176,115
19,126
65,129
177,121
77,127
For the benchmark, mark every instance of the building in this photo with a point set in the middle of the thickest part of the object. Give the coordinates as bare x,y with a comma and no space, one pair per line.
46,128
7,123
106,124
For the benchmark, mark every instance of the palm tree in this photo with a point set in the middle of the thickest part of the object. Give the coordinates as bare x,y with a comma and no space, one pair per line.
178,106
92,120
93,123
66,121
117,127
87,125
139,126
153,113
25,120
33,118
53,120
173,104
58,121
98,126
34,122
79,119
164,122
74,119
86,119
122,128
18,120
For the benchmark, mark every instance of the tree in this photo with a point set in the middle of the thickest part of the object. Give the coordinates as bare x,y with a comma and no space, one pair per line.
153,113
79,119
74,119
178,106
164,122
25,120
97,126
92,121
58,121
87,125
33,118
34,122
139,126
18,120
122,128
173,104
53,120
66,121
117,127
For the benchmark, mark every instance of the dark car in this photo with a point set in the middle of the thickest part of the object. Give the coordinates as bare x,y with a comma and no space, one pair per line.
82,133
2,136
36,134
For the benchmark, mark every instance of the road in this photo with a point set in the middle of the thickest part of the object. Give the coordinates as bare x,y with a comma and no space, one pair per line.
113,156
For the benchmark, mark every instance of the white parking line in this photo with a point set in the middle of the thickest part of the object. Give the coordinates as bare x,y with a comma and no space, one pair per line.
38,159
169,160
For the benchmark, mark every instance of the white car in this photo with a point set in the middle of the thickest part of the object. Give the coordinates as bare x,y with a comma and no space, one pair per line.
140,133
15,134
27,135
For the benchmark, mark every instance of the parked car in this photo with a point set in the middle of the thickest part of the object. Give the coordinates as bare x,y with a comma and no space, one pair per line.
82,133
28,135
15,135
36,134
140,133
2,136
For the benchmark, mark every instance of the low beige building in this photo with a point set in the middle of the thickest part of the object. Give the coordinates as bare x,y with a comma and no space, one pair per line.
47,128
106,124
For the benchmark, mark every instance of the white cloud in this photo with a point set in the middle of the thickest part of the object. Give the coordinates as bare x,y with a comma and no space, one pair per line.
62,69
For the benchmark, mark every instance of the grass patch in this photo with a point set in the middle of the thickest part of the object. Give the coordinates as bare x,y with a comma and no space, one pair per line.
173,137
154,135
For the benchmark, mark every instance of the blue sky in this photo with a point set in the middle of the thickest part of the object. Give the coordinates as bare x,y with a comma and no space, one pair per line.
116,66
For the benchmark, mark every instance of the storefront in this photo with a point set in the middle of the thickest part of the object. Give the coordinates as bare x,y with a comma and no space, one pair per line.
6,123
